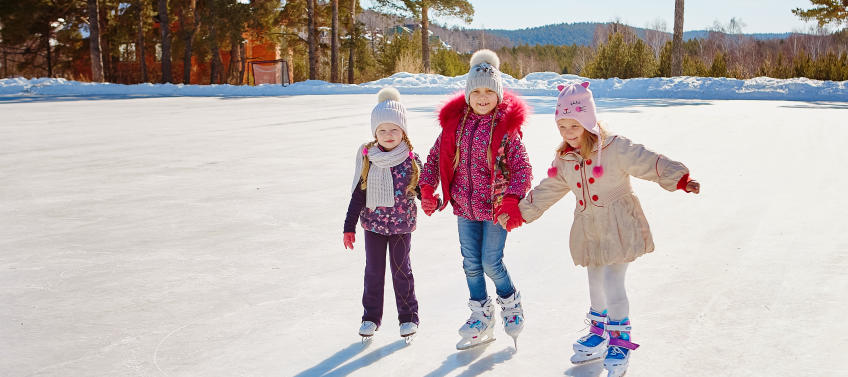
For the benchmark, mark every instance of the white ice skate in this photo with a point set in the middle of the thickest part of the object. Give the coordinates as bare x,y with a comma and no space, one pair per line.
367,330
592,346
408,331
513,316
479,328
618,352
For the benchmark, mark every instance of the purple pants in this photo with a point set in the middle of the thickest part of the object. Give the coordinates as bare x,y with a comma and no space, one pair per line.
375,276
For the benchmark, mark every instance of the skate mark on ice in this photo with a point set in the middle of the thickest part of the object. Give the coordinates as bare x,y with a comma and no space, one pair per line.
368,359
335,360
156,350
457,360
488,363
592,369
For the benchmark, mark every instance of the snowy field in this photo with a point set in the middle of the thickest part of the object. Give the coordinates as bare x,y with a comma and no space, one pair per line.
201,236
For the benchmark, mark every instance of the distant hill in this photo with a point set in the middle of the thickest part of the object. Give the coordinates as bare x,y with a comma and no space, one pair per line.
582,33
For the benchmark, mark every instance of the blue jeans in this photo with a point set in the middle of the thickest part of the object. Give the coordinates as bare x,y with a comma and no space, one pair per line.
482,245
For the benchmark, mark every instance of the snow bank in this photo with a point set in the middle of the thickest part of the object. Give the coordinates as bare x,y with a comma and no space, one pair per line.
541,84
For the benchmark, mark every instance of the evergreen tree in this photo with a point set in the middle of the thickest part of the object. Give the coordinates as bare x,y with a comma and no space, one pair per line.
825,12
420,11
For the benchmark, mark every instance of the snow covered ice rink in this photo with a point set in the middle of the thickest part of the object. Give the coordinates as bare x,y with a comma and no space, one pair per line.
201,236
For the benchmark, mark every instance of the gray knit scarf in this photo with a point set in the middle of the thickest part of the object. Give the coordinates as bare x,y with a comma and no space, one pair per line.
381,190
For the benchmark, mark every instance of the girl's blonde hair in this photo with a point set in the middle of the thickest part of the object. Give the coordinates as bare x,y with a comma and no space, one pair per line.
462,129
587,142
416,171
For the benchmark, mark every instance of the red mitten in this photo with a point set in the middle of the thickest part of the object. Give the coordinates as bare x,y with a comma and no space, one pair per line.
509,206
349,239
429,201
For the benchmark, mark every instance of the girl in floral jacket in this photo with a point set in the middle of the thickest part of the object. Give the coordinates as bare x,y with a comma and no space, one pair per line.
483,168
384,188
609,229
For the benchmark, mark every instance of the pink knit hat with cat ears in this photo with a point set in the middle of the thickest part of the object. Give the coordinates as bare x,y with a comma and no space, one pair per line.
575,101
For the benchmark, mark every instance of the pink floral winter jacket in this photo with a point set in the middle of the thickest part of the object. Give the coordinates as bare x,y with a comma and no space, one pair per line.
478,184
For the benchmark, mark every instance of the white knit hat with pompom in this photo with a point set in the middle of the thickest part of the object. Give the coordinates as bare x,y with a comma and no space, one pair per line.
485,73
388,110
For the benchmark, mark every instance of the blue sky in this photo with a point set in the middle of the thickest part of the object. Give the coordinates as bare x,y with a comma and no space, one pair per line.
762,16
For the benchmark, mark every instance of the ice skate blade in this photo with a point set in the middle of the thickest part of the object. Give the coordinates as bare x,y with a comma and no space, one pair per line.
616,374
618,371
366,338
587,361
468,344
408,338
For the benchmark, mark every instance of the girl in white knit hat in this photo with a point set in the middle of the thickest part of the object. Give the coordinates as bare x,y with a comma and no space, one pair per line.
609,229
383,195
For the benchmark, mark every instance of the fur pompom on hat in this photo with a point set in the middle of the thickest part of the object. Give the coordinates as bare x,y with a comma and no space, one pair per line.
388,110
485,73
576,102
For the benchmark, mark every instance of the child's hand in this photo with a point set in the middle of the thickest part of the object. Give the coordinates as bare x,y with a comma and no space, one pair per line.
508,215
349,239
429,201
503,219
693,186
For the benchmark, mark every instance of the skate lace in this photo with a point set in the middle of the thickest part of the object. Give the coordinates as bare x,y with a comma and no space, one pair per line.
478,315
513,314
616,352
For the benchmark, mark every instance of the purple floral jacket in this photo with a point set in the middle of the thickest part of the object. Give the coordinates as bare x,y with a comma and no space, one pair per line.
386,220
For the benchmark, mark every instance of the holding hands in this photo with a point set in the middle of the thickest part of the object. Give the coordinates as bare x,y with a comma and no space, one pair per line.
508,215
429,201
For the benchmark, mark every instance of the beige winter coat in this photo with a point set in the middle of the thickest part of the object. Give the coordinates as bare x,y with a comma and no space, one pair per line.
609,225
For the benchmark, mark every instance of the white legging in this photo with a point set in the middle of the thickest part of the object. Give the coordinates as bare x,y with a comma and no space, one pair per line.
606,290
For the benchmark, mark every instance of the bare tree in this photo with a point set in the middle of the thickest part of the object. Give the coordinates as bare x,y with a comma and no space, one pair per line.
677,42
656,35
93,41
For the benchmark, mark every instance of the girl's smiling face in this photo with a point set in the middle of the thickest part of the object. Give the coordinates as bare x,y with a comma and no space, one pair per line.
389,135
571,131
483,100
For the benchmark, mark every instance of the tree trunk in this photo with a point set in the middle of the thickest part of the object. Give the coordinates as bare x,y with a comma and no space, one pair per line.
139,49
677,42
5,62
289,67
242,61
231,66
93,41
352,34
49,52
312,39
334,44
105,44
165,29
425,38
189,25
214,69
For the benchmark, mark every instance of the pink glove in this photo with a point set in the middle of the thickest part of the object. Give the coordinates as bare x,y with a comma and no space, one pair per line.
429,201
509,207
349,239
